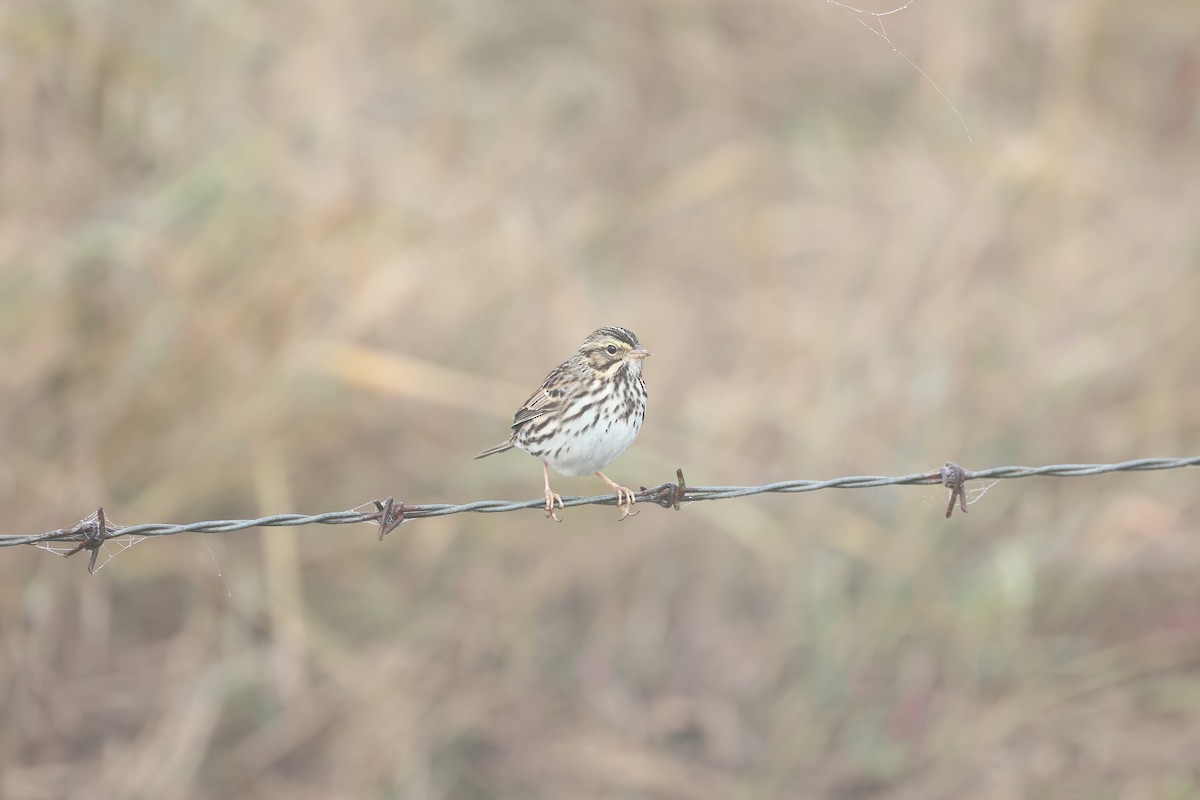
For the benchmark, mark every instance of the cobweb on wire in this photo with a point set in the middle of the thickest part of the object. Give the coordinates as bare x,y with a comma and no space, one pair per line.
109,549
975,494
874,22
941,497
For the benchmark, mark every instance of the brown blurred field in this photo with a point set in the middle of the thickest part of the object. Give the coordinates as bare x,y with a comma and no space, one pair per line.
258,258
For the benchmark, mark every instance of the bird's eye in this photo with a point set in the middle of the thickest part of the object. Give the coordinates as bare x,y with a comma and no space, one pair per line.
612,349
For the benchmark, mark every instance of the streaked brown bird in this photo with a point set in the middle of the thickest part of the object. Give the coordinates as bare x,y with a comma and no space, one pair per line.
587,412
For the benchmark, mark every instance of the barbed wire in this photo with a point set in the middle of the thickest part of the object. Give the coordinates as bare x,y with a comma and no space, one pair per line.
94,530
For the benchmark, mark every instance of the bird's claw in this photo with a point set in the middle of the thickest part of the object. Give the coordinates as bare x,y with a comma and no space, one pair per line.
551,499
625,501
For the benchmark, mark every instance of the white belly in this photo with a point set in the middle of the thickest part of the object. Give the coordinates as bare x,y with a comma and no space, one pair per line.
587,445
591,451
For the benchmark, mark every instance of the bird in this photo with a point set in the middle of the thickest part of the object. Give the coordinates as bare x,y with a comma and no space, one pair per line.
585,414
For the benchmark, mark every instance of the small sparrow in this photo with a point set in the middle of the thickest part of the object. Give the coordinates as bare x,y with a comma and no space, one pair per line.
586,413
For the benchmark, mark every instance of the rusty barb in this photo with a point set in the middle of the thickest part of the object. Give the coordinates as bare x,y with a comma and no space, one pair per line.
91,532
667,495
94,530
954,478
389,515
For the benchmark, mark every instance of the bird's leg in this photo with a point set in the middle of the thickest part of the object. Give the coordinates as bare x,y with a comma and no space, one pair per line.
551,496
625,498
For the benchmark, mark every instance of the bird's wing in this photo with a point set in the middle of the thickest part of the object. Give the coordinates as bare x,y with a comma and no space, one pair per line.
549,398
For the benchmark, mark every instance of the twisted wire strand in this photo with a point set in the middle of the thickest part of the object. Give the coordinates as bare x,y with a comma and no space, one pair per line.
926,478
94,530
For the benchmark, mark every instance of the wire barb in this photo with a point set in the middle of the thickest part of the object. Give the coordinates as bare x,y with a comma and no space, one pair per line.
92,532
667,495
954,478
389,515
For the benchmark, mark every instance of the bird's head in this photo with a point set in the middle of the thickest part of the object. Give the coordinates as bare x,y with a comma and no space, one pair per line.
612,349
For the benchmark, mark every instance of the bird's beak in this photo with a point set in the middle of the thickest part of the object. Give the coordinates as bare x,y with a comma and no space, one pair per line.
638,353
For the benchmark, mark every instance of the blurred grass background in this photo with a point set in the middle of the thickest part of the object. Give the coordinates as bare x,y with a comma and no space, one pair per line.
258,258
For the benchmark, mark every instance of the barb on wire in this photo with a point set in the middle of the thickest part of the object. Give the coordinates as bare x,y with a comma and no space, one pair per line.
93,531
955,479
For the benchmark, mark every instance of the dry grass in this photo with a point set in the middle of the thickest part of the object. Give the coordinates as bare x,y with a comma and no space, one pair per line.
276,257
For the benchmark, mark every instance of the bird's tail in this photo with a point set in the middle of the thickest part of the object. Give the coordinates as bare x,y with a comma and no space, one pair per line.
500,448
